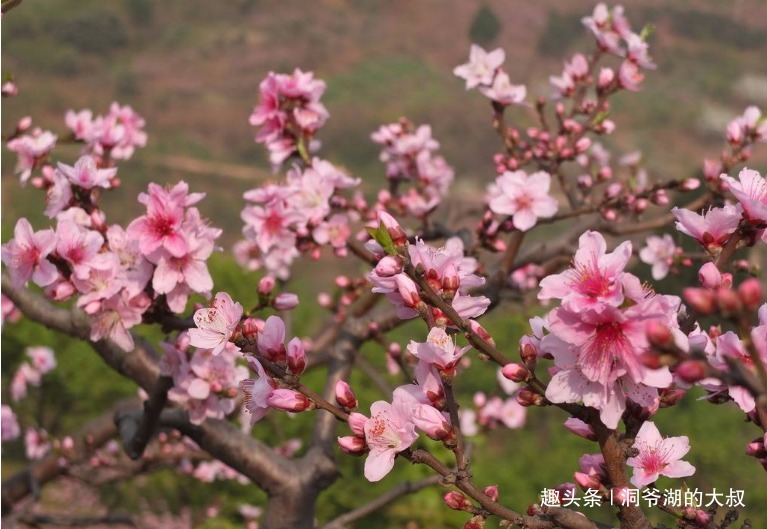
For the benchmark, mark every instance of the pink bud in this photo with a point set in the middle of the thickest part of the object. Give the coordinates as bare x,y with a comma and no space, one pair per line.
690,371
516,372
605,173
457,501
288,400
701,300
729,301
756,448
750,292
702,518
266,285
580,428
9,89
609,214
296,356
527,397
582,145
343,281
450,279
585,181
709,276
431,422
660,198
690,184
476,522
324,300
659,334
345,396
492,492
352,445
60,290
251,327
396,232
613,190
389,265
408,290
587,481
606,76
285,301
24,123
357,423
481,332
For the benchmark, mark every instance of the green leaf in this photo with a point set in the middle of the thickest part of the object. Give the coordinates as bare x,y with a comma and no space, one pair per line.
381,236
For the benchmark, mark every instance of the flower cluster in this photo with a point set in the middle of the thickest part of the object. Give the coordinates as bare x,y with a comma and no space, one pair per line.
289,114
484,71
206,383
448,271
598,334
303,214
114,135
409,153
42,361
32,150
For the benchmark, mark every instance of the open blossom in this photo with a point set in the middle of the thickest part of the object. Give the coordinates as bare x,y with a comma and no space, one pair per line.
751,191
43,359
256,392
658,456
524,196
503,92
439,350
36,443
215,325
595,278
31,149
388,431
116,315
86,174
481,67
712,228
25,255
659,253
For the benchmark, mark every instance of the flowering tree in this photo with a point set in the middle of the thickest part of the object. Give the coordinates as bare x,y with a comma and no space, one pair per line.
611,352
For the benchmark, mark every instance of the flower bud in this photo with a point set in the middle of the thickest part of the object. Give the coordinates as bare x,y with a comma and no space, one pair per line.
352,445
613,190
690,371
492,492
660,198
476,522
357,423
703,301
408,290
266,285
580,428
481,332
585,181
396,232
296,356
659,334
689,184
669,396
345,396
641,204
526,397
288,400
24,124
251,327
750,292
587,481
285,301
389,265
516,372
709,276
728,300
756,448
606,76
457,501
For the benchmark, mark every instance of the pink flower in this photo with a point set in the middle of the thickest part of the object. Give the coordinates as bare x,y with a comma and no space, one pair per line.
388,432
86,174
118,314
43,359
271,340
751,190
711,229
257,392
31,149
439,350
658,456
596,277
80,123
481,66
216,324
36,443
10,424
524,196
660,253
503,92
25,255
80,248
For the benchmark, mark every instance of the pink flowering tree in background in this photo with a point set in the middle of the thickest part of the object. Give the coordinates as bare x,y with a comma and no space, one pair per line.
607,350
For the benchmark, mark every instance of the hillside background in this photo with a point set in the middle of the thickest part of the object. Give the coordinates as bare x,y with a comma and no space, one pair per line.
192,69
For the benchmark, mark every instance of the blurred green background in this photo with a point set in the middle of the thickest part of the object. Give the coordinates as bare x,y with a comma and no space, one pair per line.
192,69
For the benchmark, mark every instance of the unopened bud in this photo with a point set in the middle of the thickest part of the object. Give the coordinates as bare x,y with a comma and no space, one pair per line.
492,492
703,301
457,501
389,265
750,292
580,428
658,334
266,285
285,301
690,371
516,372
296,356
709,276
756,448
288,400
345,396
357,423
728,300
606,76
408,290
690,184
352,445
251,327
527,397
476,522
587,481
396,232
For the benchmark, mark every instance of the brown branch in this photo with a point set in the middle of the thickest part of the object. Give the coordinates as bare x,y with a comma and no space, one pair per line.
10,4
137,434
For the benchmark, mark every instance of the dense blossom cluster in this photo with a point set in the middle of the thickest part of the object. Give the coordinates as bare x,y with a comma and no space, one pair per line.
300,215
289,114
114,135
410,156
